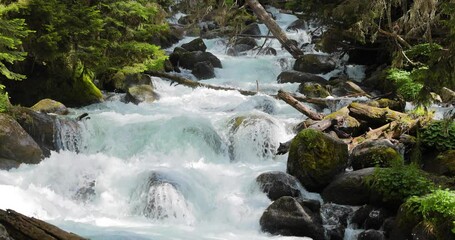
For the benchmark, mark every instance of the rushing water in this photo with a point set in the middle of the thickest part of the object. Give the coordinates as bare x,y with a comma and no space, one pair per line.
183,167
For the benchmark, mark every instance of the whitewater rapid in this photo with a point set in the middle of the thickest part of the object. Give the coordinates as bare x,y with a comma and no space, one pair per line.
203,147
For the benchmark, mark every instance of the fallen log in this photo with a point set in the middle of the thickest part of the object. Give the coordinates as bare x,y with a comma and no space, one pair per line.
194,84
21,227
260,12
299,106
375,116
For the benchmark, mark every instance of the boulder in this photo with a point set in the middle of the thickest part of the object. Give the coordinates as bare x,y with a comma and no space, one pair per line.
8,164
346,123
123,81
447,95
251,29
16,144
243,44
286,216
4,234
298,24
371,235
313,90
189,59
278,184
349,188
141,93
50,106
291,76
360,215
316,158
335,219
443,164
203,70
374,153
314,63
376,218
195,45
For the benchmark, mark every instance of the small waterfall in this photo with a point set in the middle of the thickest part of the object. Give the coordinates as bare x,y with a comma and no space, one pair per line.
67,135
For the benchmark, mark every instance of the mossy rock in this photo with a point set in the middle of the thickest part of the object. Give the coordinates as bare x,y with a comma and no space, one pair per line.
397,105
444,164
374,153
316,90
50,106
349,124
316,158
141,93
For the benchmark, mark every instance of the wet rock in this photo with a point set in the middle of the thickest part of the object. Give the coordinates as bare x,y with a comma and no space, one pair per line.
360,215
349,188
50,106
310,89
286,216
316,158
314,63
16,144
4,234
203,70
21,227
268,51
291,76
141,93
244,44
189,59
8,164
334,214
195,45
371,235
278,184
298,24
252,29
121,81
86,193
240,48
372,153
376,218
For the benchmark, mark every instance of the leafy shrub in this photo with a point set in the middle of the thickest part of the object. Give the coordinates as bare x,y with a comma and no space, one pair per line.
423,52
399,182
439,135
4,100
437,208
405,84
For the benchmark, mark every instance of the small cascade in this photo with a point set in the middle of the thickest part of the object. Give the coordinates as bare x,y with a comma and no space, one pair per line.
67,135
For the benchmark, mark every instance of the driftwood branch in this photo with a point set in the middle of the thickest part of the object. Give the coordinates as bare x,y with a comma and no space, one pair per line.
260,12
194,84
299,106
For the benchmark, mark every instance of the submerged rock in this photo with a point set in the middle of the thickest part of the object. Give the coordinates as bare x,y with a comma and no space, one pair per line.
374,153
298,24
316,158
278,184
286,216
50,106
349,188
189,59
16,144
203,70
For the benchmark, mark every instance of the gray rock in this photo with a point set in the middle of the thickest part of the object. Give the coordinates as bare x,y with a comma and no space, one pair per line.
314,63
189,59
278,184
195,45
203,70
291,76
349,188
286,216
141,93
16,144
4,234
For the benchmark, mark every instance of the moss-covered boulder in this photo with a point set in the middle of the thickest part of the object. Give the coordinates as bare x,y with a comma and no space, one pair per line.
310,89
121,81
347,123
314,63
16,144
349,188
141,93
374,153
287,216
316,158
443,164
50,106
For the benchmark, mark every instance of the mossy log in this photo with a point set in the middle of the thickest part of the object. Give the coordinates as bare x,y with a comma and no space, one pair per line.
285,96
375,116
260,12
194,84
21,227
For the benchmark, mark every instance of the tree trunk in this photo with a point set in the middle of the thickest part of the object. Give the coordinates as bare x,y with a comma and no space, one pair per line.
21,227
260,12
299,106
